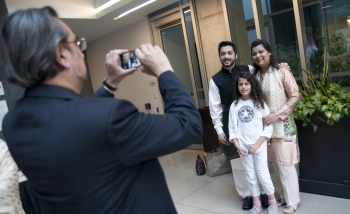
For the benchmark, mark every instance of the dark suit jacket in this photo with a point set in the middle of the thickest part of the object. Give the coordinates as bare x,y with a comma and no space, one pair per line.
99,155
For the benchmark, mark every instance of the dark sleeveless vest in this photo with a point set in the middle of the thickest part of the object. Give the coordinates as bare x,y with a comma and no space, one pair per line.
225,81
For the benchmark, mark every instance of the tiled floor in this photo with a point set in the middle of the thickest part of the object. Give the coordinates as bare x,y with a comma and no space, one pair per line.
194,194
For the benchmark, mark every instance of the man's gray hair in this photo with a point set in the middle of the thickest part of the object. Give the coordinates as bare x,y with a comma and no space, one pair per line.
28,44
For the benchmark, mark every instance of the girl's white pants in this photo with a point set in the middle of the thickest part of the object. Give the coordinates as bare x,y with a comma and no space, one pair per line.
256,170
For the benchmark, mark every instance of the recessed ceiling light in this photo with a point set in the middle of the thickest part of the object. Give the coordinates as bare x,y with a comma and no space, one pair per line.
133,9
105,5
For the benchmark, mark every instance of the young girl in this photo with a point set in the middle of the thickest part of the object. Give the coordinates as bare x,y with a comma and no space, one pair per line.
249,135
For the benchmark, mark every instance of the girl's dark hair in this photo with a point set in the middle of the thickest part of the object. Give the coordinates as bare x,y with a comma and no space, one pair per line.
273,57
256,93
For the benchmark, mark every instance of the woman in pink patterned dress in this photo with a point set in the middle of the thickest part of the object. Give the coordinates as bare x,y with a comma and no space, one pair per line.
282,95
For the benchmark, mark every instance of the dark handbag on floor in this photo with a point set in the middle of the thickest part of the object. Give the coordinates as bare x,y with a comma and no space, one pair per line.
200,166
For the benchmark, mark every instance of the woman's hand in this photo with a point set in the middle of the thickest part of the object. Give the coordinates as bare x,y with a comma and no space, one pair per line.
253,148
242,151
270,119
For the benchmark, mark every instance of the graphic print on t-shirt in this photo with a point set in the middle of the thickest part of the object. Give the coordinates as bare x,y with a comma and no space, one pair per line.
246,114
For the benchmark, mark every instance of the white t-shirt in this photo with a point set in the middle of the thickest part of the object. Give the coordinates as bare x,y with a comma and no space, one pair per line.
245,122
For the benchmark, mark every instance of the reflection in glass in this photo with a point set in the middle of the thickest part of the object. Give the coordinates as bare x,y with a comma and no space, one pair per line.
251,35
334,33
175,48
194,57
278,5
285,40
281,32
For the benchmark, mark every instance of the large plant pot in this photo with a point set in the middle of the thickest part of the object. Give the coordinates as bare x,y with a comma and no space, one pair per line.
325,158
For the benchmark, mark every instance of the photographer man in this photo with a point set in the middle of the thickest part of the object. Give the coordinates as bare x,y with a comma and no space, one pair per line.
95,155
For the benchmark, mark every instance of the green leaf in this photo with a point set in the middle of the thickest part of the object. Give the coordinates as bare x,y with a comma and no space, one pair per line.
301,116
324,108
310,105
315,127
323,98
330,121
339,106
330,101
312,111
346,111
306,111
336,116
305,123
328,114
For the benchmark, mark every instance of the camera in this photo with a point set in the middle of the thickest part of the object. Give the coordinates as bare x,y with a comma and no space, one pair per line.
129,60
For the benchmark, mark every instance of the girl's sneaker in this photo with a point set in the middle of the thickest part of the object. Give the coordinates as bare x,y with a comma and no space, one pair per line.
255,210
271,210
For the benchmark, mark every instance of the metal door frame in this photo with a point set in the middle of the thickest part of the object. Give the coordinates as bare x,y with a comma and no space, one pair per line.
170,19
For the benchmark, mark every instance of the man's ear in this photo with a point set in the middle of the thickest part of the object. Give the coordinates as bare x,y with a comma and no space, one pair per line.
236,55
63,56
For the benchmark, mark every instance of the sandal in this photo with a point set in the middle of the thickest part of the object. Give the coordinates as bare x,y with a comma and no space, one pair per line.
281,203
289,210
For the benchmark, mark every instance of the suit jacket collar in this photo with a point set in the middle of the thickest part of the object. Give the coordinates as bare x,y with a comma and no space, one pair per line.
51,91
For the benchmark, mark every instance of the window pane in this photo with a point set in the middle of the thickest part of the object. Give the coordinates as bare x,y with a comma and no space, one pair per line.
285,41
281,32
334,33
278,5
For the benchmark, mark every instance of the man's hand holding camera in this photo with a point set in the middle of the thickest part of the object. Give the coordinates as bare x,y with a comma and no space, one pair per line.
154,62
115,73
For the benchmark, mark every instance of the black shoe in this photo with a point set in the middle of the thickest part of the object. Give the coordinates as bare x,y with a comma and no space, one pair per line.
264,200
247,203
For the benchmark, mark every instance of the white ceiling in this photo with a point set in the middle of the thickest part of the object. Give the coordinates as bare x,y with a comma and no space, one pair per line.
81,16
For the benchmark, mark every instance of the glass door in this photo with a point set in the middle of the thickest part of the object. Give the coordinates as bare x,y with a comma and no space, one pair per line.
174,46
174,33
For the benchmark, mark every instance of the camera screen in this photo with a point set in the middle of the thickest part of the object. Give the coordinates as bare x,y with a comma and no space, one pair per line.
129,60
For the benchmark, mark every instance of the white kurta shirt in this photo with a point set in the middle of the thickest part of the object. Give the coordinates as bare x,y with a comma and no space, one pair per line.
215,104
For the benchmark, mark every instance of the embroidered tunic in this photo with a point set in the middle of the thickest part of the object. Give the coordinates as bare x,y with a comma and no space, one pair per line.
10,201
282,95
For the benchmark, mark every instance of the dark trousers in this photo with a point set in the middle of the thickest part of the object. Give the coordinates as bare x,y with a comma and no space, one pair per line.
29,201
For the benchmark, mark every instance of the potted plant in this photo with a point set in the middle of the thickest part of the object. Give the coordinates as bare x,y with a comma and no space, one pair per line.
322,99
323,130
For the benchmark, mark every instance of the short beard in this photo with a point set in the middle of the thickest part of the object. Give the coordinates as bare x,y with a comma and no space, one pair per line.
233,62
75,68
80,75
